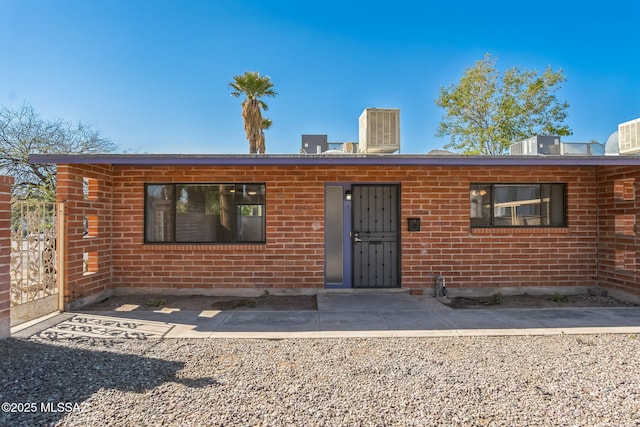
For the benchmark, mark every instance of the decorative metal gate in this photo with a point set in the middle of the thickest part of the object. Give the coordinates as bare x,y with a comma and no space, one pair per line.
34,288
375,236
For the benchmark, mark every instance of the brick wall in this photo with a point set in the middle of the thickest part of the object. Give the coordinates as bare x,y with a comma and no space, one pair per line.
88,265
293,256
618,210
5,254
496,258
294,252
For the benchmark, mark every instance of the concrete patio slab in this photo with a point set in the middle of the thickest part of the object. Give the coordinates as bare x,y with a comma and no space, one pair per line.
351,321
93,326
416,321
367,302
339,315
270,321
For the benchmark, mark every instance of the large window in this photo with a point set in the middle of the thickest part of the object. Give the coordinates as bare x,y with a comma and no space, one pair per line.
205,213
518,205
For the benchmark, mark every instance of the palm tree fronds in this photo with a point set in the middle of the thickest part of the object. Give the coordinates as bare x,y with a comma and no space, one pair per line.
254,87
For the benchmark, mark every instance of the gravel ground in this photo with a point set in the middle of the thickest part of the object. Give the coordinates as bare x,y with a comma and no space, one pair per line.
478,381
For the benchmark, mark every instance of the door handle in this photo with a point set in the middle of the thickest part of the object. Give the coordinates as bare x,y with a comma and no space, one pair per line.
356,237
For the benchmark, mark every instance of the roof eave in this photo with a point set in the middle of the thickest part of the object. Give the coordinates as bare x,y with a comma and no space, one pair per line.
329,160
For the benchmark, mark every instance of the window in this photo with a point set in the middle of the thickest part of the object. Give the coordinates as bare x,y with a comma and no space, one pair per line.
205,213
518,205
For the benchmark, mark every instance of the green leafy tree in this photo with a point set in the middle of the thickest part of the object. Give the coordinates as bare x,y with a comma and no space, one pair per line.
486,112
23,132
254,87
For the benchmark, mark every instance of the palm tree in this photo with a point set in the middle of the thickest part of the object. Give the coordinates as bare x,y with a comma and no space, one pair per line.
253,87
266,124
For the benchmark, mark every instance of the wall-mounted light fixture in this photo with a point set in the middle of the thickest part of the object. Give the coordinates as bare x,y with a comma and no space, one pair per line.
347,195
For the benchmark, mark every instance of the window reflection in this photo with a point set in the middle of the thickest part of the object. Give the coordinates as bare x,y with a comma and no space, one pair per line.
205,213
517,205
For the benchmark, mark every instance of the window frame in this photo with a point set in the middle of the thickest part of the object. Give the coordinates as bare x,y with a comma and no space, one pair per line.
492,224
174,212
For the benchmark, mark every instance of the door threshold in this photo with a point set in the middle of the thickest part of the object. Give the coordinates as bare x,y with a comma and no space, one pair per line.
364,291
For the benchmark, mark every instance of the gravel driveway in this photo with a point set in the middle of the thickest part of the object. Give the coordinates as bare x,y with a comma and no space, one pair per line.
478,381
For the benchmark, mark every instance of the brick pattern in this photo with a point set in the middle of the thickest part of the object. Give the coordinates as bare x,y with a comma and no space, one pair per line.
80,283
618,210
477,258
293,256
5,255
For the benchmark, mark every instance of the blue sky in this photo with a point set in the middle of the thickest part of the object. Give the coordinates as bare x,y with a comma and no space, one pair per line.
153,75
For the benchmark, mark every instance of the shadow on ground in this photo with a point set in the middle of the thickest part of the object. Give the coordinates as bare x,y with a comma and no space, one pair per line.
44,381
198,302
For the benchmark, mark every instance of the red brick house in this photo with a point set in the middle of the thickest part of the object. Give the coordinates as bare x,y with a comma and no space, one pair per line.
242,224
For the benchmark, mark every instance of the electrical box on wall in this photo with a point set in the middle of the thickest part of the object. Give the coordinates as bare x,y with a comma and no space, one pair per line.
414,224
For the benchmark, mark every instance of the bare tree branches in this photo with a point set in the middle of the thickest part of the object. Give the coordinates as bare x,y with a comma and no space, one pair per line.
23,132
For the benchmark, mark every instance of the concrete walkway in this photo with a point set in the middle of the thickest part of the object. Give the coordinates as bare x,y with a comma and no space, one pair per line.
338,315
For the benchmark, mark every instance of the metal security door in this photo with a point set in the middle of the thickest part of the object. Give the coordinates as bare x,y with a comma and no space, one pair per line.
375,236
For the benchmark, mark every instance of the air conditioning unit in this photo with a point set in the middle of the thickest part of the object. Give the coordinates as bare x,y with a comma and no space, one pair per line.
518,148
629,137
536,145
379,130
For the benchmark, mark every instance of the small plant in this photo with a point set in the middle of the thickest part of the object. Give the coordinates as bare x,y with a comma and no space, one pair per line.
495,299
560,299
156,302
245,303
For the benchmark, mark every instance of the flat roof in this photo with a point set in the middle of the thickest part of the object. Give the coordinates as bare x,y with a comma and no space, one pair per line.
331,160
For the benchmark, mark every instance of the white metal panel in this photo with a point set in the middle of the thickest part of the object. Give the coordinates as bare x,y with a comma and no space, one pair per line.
629,137
379,130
